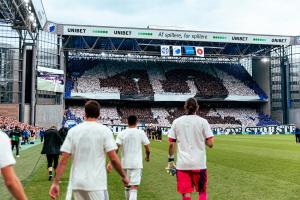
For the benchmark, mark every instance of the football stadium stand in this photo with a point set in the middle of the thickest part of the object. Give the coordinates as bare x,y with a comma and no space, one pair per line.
164,116
207,81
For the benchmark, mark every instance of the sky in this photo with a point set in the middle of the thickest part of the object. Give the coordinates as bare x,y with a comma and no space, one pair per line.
280,17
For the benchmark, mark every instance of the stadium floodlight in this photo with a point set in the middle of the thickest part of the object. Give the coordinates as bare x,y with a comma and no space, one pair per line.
265,60
26,1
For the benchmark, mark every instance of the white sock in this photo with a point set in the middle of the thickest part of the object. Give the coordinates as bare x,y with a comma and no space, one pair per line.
127,193
133,195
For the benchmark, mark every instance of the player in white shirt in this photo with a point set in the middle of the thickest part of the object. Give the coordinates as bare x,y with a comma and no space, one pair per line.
191,133
7,161
132,141
88,143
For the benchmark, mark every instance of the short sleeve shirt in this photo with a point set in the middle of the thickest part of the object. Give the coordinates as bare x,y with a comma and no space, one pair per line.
88,144
190,132
132,141
6,156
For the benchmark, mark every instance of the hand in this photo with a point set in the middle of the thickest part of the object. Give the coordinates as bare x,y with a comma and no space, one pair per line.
125,180
147,159
54,191
109,167
171,168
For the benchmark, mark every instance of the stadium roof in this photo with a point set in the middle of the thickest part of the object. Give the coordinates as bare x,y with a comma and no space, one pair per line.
146,41
23,14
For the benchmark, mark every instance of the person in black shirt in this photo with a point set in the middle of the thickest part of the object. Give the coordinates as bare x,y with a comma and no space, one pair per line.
52,144
15,140
297,135
63,132
159,134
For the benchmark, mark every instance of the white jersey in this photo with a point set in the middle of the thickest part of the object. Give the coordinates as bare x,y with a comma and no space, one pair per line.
132,141
6,156
190,133
88,143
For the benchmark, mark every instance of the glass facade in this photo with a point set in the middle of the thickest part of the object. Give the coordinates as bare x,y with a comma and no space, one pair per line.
10,65
290,56
48,55
293,56
276,102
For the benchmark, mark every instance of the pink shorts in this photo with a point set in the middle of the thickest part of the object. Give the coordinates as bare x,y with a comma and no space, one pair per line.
189,181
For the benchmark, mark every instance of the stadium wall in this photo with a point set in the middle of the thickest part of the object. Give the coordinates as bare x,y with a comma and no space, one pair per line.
295,117
261,74
49,115
10,110
27,114
277,115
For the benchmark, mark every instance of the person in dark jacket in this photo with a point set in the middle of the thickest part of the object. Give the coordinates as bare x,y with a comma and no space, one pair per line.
63,132
297,134
52,144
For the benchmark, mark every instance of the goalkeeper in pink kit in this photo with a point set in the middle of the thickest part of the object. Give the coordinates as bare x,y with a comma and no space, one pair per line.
190,133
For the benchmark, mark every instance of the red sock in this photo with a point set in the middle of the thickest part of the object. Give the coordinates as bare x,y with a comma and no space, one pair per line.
202,196
186,198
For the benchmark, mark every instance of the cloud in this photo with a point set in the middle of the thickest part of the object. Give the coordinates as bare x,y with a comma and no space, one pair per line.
264,16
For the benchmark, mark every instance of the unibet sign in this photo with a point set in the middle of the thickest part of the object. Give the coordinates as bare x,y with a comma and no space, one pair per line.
160,34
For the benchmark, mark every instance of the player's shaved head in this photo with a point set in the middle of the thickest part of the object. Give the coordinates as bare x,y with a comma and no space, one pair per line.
191,106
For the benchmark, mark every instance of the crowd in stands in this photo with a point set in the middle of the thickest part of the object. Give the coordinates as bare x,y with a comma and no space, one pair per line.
8,123
131,82
266,120
133,78
240,73
16,130
139,78
164,116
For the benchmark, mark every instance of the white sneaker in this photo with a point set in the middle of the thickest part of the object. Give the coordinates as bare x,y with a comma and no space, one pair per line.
18,156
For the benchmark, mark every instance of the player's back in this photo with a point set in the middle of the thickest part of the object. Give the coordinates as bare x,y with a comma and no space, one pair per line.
191,132
88,143
132,141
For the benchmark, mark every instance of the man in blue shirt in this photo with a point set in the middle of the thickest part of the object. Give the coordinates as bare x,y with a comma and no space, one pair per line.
42,134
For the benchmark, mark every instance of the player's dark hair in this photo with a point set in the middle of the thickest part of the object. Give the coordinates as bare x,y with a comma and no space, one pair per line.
92,109
132,120
191,106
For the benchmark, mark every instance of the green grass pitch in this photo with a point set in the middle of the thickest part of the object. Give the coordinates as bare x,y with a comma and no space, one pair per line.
239,167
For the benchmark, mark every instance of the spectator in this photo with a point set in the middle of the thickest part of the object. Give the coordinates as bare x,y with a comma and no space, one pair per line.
297,135
63,131
15,140
42,134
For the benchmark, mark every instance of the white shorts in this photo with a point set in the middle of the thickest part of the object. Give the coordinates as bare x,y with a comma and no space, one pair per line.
134,175
90,195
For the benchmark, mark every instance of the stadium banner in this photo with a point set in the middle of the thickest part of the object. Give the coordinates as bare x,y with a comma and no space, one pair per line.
164,50
50,79
256,130
91,95
176,50
40,12
199,51
189,50
162,34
